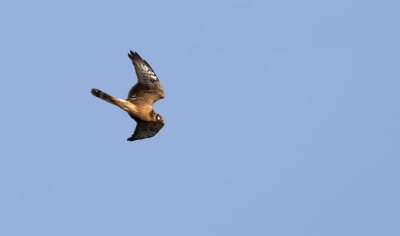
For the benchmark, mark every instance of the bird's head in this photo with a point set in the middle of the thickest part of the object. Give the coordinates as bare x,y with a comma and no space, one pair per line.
158,118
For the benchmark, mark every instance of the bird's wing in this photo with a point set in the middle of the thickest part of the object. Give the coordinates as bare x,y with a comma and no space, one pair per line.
148,86
145,130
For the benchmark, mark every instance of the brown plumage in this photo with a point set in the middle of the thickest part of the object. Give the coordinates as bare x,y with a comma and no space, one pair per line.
140,100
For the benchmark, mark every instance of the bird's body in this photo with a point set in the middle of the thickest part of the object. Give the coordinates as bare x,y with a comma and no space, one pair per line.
140,100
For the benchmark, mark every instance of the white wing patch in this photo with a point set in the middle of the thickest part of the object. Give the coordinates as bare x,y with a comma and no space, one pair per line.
146,73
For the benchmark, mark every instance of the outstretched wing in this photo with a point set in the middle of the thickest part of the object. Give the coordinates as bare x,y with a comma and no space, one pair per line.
148,87
145,130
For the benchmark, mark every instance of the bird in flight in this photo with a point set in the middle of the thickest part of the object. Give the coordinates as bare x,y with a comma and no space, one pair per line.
140,100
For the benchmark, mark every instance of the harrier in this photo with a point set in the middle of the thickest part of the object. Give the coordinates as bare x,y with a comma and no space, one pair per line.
141,99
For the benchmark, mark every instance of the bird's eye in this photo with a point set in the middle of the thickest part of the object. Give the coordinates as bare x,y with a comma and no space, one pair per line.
158,117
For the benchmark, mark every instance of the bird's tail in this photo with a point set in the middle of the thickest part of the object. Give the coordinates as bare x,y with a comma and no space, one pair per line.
111,99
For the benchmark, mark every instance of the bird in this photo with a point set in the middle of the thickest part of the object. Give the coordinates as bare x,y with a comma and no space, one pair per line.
140,100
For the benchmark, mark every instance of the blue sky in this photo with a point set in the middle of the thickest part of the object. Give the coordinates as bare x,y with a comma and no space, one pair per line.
282,118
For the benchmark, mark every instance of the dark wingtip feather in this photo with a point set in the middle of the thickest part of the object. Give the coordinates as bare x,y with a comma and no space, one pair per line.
130,139
134,54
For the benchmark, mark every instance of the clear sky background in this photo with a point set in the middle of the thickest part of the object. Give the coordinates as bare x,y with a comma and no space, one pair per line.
282,118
